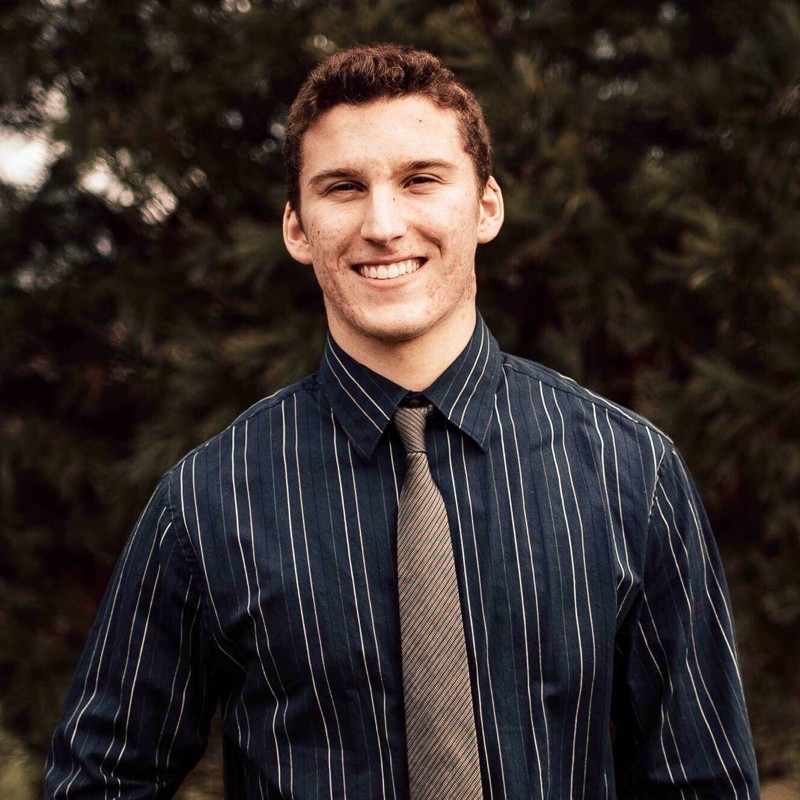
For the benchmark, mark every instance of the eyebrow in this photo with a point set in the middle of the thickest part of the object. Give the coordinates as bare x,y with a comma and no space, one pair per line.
434,163
333,174
404,169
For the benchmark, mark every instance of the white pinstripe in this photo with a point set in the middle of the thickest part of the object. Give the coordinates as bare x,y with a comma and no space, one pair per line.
574,584
300,602
314,600
522,596
372,621
706,560
203,558
466,382
363,390
123,563
664,718
183,700
622,534
247,580
690,608
689,671
132,691
586,586
180,662
357,404
283,585
529,542
124,674
469,618
355,598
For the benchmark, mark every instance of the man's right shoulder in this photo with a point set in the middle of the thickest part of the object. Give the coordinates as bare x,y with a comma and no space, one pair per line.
307,386
305,390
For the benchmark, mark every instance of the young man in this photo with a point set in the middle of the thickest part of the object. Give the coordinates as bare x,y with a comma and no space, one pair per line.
430,570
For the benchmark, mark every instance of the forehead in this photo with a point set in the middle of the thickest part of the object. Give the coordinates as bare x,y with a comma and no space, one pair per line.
402,129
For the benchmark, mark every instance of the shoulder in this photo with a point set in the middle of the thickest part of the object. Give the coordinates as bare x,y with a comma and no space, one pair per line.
201,489
547,387
300,390
303,391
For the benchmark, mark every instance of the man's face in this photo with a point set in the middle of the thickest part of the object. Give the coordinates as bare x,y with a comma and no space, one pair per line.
391,218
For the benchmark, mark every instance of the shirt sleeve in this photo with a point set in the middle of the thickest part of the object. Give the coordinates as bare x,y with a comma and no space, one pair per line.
137,716
681,723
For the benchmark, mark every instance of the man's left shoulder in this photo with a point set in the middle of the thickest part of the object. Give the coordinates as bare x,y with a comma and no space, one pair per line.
571,399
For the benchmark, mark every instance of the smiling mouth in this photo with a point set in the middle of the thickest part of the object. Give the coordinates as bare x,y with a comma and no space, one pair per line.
383,272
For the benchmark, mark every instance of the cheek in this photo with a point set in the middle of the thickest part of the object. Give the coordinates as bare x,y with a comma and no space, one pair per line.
451,221
323,245
329,236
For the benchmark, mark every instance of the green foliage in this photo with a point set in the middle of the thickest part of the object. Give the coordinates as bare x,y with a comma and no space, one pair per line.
650,162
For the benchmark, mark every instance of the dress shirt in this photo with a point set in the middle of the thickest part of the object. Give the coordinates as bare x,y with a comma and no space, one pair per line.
261,578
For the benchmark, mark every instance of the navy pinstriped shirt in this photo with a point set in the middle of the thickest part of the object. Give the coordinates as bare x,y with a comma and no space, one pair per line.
261,578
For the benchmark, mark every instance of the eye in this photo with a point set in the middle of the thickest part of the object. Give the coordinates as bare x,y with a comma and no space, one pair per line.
344,187
420,180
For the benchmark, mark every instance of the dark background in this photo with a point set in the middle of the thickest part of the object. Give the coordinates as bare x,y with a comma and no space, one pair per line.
650,158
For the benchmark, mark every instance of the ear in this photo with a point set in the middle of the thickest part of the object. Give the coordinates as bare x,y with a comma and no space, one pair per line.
491,212
294,236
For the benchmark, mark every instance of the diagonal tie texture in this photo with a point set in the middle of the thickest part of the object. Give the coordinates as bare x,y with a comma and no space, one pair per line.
443,761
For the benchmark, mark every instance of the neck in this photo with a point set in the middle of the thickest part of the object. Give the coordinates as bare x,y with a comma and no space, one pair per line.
414,363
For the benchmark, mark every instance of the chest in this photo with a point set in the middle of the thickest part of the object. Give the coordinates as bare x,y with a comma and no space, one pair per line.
298,546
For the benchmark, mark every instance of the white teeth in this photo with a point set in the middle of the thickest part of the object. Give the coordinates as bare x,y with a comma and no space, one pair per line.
382,271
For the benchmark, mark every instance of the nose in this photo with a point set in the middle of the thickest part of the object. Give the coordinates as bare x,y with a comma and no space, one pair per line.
383,220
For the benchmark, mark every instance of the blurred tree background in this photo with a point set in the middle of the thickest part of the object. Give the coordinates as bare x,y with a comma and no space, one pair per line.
650,158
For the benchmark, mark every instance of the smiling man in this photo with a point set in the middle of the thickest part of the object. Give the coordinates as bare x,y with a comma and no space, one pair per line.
431,569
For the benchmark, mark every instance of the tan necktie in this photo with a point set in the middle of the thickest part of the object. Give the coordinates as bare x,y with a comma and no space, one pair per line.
443,762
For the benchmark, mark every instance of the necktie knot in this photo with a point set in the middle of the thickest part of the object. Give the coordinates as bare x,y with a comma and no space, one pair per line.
410,424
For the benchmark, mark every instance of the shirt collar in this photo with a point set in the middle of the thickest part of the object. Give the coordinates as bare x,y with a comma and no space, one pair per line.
363,402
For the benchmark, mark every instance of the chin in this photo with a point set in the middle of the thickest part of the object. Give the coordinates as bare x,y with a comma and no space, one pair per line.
395,333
